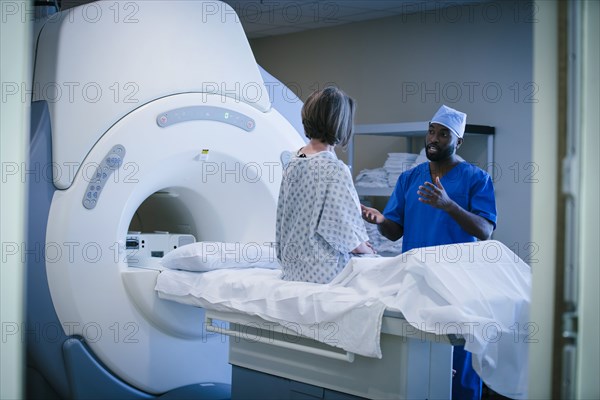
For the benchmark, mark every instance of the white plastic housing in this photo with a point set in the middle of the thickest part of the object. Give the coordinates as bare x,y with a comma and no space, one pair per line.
229,196
97,62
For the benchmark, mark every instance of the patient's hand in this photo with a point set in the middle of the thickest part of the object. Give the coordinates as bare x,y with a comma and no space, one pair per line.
364,248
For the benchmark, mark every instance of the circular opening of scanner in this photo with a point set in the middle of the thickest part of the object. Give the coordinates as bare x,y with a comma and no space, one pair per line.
164,221
176,215
165,211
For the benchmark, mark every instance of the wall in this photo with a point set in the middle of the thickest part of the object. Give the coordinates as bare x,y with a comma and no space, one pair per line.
15,35
588,363
544,200
476,58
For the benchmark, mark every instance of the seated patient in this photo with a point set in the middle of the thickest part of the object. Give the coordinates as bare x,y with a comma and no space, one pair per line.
319,221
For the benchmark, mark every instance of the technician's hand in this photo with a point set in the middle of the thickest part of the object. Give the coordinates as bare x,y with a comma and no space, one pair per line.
371,215
435,195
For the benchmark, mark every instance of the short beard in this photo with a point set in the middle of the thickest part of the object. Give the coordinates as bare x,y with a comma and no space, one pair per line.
441,156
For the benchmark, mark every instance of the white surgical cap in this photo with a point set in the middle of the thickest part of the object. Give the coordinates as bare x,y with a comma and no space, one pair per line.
451,119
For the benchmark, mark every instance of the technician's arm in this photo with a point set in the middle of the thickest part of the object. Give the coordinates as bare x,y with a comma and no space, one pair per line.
386,227
436,196
473,224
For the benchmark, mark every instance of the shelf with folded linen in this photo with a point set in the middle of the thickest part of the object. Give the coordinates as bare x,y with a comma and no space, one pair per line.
381,181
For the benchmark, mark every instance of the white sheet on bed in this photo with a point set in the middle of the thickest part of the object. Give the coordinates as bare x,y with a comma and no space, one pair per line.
480,290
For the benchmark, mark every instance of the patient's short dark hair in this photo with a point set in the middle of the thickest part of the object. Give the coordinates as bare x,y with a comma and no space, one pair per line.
328,115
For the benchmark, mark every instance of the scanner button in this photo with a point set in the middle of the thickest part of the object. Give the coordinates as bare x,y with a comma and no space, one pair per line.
114,161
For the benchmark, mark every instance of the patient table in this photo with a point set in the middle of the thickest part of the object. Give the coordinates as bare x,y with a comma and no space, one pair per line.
382,329
273,361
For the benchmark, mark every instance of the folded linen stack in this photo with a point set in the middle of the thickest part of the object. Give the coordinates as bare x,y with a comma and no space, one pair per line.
376,178
396,164
387,176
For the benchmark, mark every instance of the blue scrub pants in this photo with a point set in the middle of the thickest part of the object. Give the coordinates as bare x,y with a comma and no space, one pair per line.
466,384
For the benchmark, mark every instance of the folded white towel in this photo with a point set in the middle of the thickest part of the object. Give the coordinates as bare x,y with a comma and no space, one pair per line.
372,178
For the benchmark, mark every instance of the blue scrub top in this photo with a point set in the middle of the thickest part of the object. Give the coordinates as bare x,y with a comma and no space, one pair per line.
424,225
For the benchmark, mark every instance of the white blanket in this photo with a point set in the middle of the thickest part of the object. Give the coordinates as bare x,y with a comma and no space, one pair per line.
479,290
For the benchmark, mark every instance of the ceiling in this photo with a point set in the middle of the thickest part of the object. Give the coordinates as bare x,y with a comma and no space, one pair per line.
262,18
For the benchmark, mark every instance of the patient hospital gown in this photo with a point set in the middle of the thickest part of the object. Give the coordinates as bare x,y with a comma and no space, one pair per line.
318,218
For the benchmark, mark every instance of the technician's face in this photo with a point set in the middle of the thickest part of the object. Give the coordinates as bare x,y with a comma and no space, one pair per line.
440,143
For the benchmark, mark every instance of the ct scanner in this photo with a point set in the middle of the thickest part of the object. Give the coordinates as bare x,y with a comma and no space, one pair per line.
153,117
156,118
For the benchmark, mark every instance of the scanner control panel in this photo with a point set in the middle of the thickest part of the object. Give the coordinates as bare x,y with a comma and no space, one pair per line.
111,162
206,113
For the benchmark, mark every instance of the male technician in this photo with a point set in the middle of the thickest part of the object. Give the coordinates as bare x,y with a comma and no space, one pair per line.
443,201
